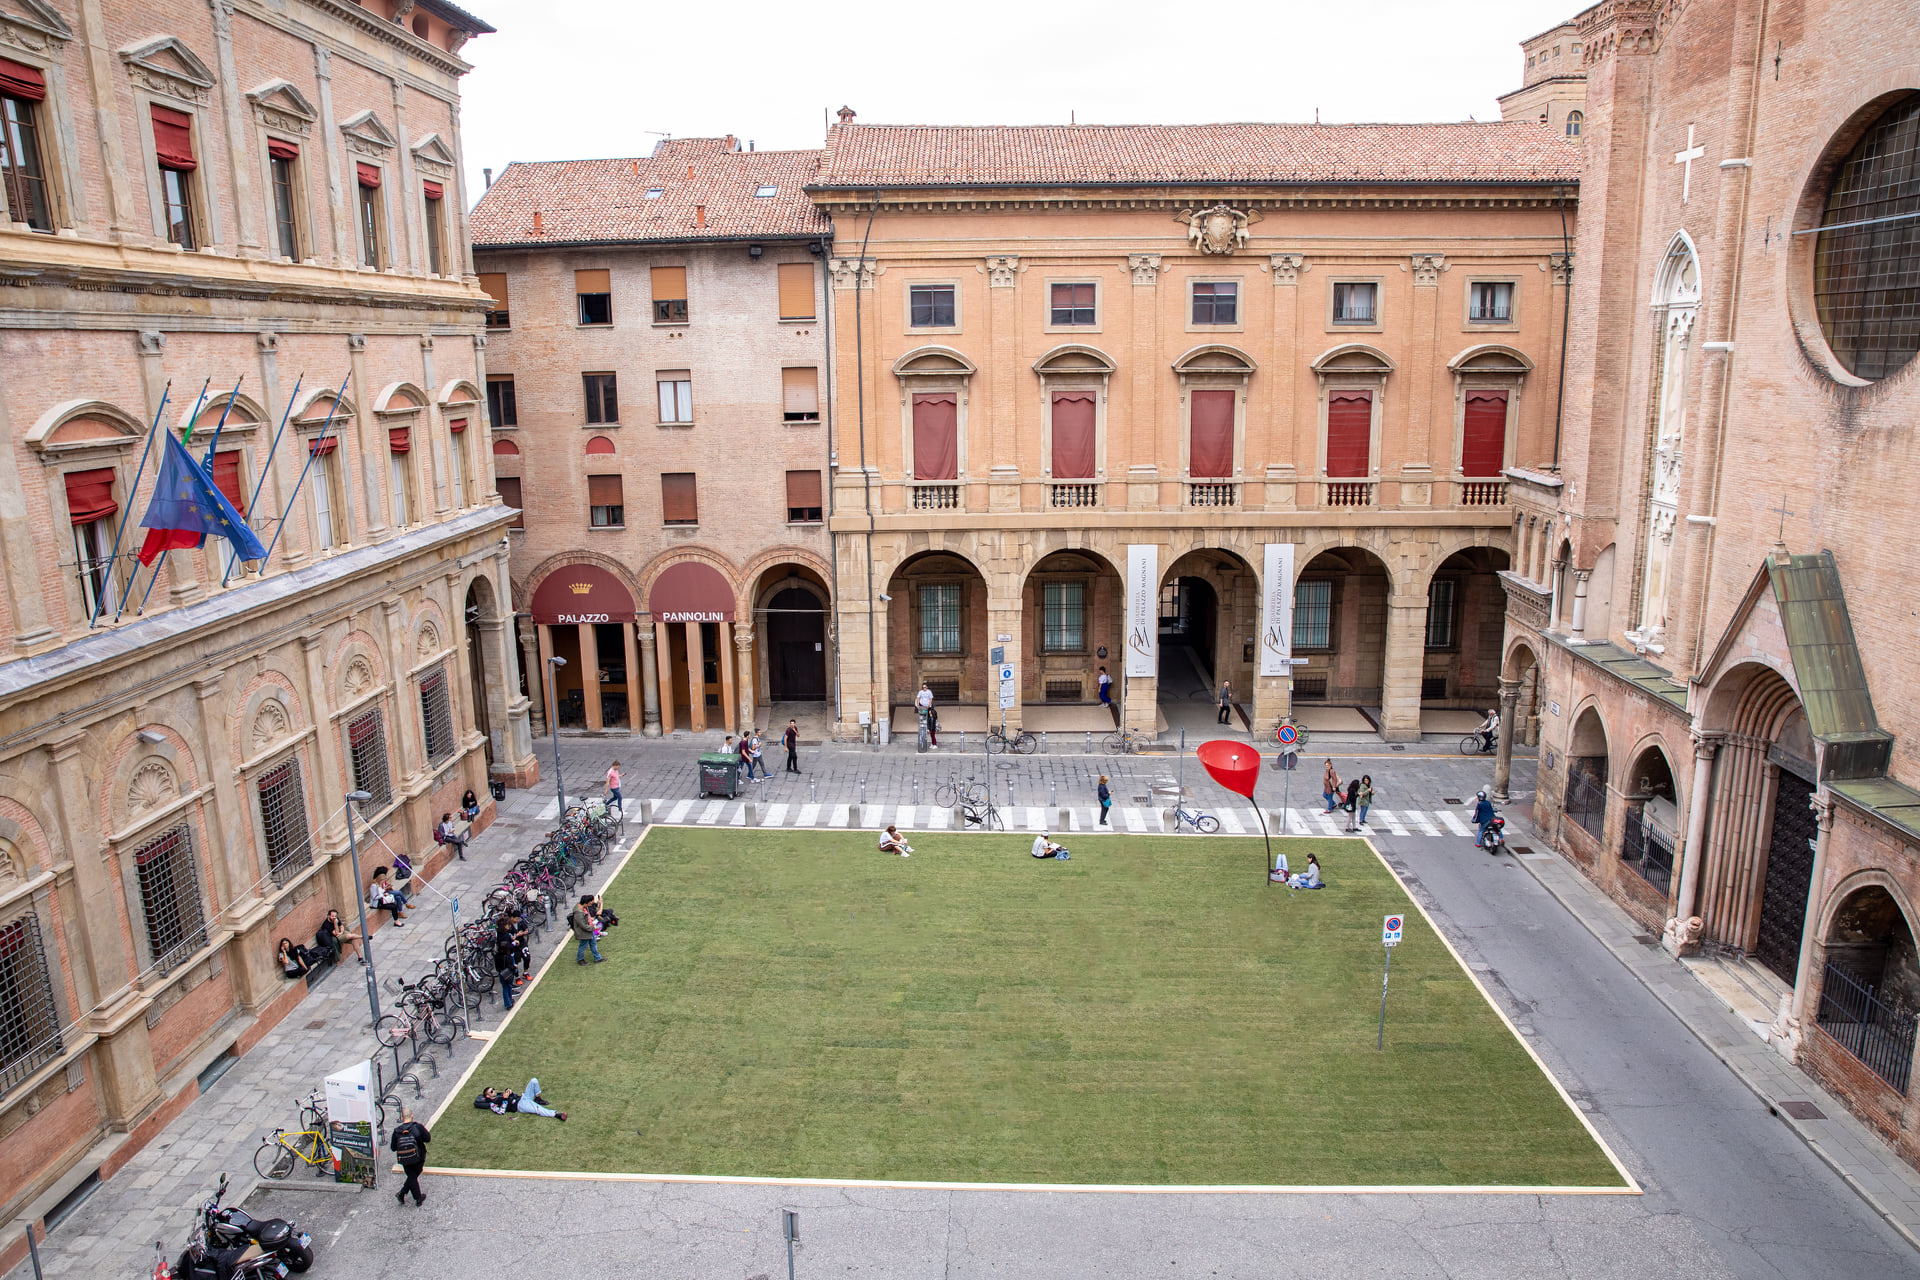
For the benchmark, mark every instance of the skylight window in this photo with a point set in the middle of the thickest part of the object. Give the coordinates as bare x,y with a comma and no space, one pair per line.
654,193
767,191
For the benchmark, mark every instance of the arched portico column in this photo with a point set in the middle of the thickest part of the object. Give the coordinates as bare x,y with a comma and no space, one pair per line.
1503,760
1793,1017
649,680
1405,666
743,683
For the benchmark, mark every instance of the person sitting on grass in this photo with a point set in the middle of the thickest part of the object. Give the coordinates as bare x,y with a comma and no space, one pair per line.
891,841
528,1102
1045,848
1310,877
293,959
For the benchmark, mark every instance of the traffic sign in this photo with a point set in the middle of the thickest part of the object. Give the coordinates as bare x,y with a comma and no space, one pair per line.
1288,735
1390,932
1009,695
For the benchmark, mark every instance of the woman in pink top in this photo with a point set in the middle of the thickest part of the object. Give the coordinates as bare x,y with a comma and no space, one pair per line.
613,789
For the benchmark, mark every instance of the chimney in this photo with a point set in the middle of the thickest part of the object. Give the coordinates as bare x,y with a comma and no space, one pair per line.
537,228
846,115
636,168
689,173
489,174
733,144
699,215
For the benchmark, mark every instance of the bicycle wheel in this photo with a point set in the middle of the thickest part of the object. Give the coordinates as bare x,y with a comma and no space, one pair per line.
945,795
416,1003
1115,744
1025,743
975,793
994,821
1206,824
995,744
439,1030
392,1031
1470,745
272,1160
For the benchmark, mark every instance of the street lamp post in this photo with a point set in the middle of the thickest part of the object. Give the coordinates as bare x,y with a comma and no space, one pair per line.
366,937
553,726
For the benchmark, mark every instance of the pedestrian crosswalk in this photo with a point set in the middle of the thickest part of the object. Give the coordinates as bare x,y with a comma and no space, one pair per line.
1234,819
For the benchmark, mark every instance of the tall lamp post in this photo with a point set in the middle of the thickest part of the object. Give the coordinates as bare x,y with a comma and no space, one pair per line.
553,726
366,938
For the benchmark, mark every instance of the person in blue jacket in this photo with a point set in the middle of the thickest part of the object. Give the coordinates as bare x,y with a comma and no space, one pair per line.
1482,817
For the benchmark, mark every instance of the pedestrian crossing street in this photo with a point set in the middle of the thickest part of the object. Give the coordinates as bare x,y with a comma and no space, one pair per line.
1234,820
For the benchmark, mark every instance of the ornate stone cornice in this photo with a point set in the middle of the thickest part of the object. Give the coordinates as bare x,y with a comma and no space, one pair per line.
432,157
34,27
1561,265
166,66
1619,26
279,104
367,136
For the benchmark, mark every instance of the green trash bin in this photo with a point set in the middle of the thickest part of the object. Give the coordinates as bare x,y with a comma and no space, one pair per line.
719,774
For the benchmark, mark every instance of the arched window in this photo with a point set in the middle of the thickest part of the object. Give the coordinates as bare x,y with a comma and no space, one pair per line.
1866,263
1574,120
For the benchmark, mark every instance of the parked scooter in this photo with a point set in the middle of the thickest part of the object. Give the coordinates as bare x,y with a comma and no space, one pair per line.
231,1225
1496,834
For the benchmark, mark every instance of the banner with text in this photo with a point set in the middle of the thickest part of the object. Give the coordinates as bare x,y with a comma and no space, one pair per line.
1276,611
1143,610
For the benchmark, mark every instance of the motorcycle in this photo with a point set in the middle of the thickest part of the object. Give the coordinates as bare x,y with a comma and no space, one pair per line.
1496,834
220,1240
231,1225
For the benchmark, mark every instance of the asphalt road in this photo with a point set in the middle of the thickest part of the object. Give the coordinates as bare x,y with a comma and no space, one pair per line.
1730,1191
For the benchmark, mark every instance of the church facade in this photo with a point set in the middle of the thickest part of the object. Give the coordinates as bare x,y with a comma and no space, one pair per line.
1708,631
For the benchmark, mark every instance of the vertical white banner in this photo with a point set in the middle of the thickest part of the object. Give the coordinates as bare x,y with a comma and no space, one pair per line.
1276,611
1143,610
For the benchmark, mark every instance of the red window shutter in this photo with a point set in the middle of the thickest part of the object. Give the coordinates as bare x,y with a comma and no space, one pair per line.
282,150
226,478
457,425
1073,435
400,439
368,175
20,81
510,495
1483,443
321,446
173,138
1211,451
1349,433
505,449
432,189
90,495
936,437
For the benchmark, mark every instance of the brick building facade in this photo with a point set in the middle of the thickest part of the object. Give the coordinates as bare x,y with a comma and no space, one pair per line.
1707,610
657,367
268,195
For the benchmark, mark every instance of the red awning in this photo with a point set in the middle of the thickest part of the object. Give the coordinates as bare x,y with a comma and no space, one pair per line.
369,176
691,592
400,439
20,81
173,138
582,593
457,425
432,189
282,150
90,495
321,446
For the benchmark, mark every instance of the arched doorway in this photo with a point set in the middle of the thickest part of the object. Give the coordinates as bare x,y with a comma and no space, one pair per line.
1072,612
937,632
692,607
1870,983
478,610
790,607
1466,618
1209,615
1585,802
584,615
1650,829
1523,670
1340,628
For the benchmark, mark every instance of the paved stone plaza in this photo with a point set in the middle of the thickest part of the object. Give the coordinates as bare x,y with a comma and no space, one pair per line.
1678,1085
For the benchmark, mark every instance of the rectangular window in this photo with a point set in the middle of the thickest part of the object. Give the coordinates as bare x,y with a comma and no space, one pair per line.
606,507
936,438
679,500
603,403
457,461
803,497
281,157
368,190
940,617
1483,443
91,509
170,898
1216,302
509,487
1313,615
796,291
1353,303
669,295
1210,449
1440,594
326,528
399,443
1490,301
436,716
1349,433
1072,304
283,817
367,757
1073,435
23,170
676,395
1063,617
593,291
227,479
502,409
930,306
29,1016
494,285
173,145
433,209
800,395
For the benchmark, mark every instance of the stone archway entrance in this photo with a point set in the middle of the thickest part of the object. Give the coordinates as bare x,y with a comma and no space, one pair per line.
692,607
584,615
1783,895
1870,984
1209,614
796,629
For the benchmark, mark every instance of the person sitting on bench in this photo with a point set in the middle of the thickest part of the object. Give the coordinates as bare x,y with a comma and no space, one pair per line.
1310,878
891,841
528,1101
293,959
454,839
333,938
1045,848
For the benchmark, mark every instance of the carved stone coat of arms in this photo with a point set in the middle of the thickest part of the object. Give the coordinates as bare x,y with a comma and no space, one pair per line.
1221,229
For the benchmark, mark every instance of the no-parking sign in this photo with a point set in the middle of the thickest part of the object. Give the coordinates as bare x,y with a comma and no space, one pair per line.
1390,932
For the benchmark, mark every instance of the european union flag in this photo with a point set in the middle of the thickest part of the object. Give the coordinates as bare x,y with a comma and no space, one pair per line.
187,506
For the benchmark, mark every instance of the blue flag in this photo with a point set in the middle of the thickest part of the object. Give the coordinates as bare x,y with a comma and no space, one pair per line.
187,506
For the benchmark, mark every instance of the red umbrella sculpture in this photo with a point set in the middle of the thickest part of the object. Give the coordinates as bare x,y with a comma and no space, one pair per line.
1236,766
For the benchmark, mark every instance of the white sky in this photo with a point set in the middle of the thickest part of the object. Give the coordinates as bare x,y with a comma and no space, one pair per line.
613,74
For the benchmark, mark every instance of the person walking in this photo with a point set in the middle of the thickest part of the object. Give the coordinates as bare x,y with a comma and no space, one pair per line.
1352,802
1366,798
506,960
1226,702
613,790
408,1141
791,739
753,757
1329,786
923,707
585,932
1106,688
1106,800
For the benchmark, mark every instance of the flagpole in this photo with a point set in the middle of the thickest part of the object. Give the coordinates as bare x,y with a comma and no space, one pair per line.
133,493
225,409
295,495
121,611
261,479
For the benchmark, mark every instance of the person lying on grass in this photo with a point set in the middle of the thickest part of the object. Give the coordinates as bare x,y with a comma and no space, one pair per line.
891,841
1309,878
529,1102
1045,848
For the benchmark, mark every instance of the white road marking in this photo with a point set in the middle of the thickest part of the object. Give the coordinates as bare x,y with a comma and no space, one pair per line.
776,816
841,816
679,812
809,816
1230,822
1136,819
1453,824
1393,823
1419,820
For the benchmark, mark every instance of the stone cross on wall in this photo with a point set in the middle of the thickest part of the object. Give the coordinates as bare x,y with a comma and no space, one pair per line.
1687,157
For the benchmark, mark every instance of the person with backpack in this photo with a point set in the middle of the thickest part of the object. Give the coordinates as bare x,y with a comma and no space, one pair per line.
409,1144
506,960
1329,786
1352,803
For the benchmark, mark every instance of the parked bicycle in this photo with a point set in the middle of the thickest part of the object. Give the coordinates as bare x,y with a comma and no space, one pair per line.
1205,823
1125,742
956,789
981,813
1020,742
281,1152
418,1016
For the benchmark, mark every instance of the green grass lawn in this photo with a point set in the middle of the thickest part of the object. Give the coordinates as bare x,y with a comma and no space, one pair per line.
797,1004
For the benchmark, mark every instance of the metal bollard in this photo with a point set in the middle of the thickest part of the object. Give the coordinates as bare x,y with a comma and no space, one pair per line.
863,793
1053,795
1089,742
1043,742
916,790
963,741
813,790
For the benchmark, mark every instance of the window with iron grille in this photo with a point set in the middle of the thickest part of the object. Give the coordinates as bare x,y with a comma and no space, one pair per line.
29,1019
1064,617
944,690
1433,688
283,816
1440,594
1309,688
367,750
437,715
940,617
1866,261
1490,301
1313,615
170,898
1353,303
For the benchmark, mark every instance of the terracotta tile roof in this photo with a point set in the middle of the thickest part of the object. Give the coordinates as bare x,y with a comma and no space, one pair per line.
1524,151
599,200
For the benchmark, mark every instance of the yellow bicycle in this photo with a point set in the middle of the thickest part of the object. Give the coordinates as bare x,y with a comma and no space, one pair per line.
279,1153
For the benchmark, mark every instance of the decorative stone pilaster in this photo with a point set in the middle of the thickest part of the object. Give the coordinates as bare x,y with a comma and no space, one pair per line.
848,271
1427,268
1287,267
1145,268
1503,759
1788,1026
743,682
649,681
1002,270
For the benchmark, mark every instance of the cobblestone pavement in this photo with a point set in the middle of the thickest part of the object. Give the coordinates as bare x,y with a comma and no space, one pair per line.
1676,1083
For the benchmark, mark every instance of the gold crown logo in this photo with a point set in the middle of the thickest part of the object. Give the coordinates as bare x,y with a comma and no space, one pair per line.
580,588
